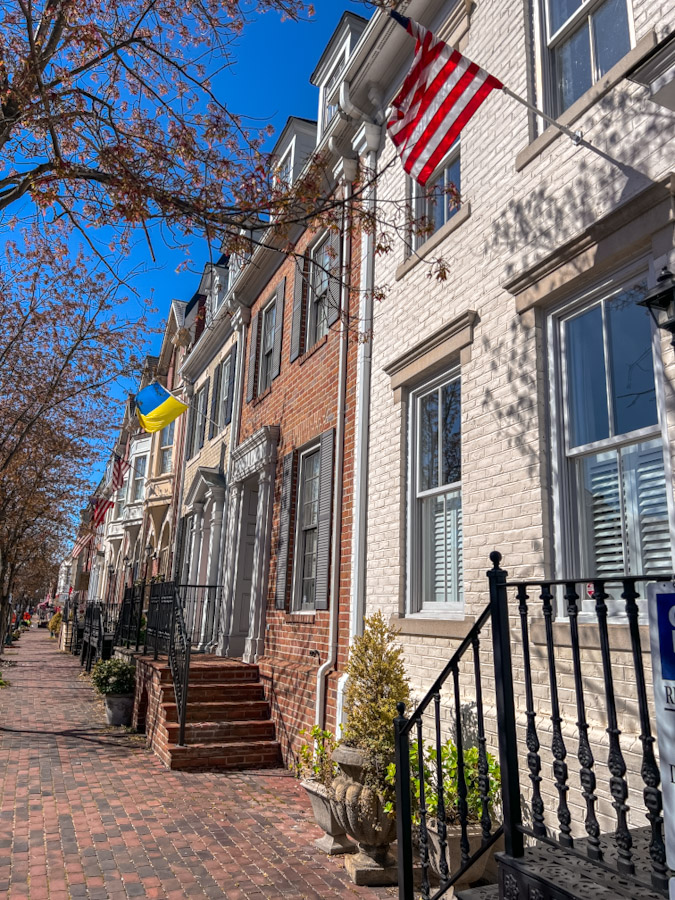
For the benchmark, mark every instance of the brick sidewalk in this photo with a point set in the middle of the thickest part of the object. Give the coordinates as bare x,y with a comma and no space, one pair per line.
88,812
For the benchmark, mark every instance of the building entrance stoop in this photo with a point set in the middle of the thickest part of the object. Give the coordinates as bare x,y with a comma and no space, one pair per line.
228,722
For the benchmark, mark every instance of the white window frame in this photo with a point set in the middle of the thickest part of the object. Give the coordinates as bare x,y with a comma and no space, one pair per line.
336,69
299,542
419,199
415,606
285,164
266,354
166,449
312,332
547,86
135,477
567,554
201,413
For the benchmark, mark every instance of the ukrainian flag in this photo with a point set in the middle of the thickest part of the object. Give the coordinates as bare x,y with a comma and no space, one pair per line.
156,407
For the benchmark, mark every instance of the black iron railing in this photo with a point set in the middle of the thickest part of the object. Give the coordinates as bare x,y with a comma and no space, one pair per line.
555,736
160,612
130,624
179,663
200,604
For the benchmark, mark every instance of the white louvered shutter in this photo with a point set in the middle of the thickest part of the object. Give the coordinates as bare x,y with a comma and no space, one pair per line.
603,508
652,511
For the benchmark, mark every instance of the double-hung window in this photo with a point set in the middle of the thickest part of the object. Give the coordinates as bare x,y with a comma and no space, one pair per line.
224,394
320,267
614,477
200,417
435,500
307,531
436,203
166,448
269,320
138,479
583,40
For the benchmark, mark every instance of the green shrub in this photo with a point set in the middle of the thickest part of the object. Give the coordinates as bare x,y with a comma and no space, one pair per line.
376,683
55,624
450,782
113,676
16,634
315,763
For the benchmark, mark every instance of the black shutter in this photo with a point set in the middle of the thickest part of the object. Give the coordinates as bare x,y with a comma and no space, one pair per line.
335,280
278,329
324,524
215,399
230,389
284,531
204,406
298,297
252,353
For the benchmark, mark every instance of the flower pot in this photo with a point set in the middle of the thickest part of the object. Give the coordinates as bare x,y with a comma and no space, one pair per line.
335,841
454,851
359,810
118,708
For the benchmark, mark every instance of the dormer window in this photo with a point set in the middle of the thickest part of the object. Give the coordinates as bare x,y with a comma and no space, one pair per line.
284,172
330,104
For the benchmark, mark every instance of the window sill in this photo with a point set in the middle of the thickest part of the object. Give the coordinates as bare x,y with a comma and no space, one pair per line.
312,350
616,74
431,243
589,637
428,627
300,618
260,397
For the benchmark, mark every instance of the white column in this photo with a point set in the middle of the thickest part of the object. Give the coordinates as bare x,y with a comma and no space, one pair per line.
196,543
255,642
229,565
210,611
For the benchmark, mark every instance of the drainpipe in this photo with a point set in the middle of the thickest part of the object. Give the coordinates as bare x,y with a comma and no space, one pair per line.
346,170
367,144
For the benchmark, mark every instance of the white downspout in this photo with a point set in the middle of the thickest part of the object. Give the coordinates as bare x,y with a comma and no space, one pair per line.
346,169
367,144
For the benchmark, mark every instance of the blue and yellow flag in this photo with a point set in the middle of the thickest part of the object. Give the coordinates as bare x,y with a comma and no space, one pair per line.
156,407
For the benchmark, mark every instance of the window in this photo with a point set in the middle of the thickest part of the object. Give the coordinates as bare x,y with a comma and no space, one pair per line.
269,318
614,472
437,202
197,425
284,171
317,295
435,515
138,478
166,448
330,108
584,39
308,531
225,383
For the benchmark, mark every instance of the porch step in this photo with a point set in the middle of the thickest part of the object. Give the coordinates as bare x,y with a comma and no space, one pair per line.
241,755
227,711
557,873
489,892
228,721
222,732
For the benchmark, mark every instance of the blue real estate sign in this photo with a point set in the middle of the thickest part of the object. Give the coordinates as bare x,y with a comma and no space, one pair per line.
661,605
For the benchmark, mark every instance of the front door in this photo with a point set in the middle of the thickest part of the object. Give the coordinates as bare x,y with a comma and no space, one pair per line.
241,610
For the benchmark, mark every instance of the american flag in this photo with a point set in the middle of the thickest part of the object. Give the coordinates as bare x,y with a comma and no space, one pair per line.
441,92
120,469
101,507
80,544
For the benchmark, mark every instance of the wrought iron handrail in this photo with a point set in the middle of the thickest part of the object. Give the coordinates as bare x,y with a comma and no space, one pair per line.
160,610
179,663
404,820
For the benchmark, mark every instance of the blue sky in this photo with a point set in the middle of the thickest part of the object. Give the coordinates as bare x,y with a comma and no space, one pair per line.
269,81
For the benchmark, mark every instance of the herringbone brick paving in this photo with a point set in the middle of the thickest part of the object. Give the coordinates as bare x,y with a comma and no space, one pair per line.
88,812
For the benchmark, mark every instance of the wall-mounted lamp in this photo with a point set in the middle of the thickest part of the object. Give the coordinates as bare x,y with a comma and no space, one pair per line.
660,302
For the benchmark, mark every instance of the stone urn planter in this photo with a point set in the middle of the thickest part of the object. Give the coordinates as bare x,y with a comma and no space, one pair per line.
119,708
335,841
454,852
359,811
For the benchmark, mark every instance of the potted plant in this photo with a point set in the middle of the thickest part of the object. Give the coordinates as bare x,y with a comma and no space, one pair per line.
317,770
115,680
474,802
55,624
360,794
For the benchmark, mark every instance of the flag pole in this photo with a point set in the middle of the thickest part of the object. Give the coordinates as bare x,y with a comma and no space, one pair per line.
575,136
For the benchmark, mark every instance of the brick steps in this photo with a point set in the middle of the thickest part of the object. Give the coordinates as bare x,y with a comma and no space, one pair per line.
243,755
215,711
228,721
